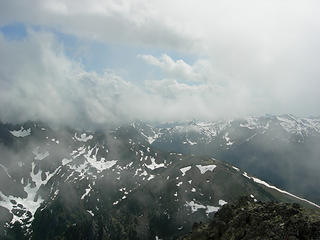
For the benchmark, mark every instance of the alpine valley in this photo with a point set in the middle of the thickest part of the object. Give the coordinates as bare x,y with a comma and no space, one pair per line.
149,180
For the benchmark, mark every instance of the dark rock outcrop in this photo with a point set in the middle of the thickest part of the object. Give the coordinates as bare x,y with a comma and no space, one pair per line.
249,219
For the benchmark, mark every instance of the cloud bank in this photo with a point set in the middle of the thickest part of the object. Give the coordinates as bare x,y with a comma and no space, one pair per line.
39,82
252,58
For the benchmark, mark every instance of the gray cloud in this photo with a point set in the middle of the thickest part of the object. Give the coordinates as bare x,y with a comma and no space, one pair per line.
130,22
39,82
254,57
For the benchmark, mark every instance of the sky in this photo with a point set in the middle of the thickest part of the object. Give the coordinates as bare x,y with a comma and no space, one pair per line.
98,62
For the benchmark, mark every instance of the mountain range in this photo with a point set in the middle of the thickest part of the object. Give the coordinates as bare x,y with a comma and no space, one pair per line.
282,150
149,180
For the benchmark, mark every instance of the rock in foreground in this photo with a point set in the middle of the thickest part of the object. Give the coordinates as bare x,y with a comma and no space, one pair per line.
248,219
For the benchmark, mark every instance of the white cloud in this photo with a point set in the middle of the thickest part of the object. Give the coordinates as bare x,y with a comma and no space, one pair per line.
253,57
198,72
39,82
113,21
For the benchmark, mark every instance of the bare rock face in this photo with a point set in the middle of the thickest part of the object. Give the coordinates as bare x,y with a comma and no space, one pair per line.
247,219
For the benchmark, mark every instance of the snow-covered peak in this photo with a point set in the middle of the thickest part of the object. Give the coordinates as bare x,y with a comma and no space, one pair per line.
289,123
301,126
255,123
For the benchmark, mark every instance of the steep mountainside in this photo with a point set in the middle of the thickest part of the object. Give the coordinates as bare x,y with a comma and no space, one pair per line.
282,150
110,184
249,219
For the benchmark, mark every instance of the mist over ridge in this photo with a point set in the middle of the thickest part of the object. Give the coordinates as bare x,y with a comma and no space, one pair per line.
138,119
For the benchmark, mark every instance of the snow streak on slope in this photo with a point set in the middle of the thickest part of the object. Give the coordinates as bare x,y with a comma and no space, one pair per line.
277,189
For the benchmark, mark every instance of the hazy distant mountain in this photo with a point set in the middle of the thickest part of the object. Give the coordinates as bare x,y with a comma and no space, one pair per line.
283,150
123,183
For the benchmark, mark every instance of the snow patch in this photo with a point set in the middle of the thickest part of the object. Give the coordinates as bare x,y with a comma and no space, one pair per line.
154,165
204,169
227,139
211,209
66,161
86,192
235,168
150,177
83,137
190,142
184,170
40,155
32,202
195,207
99,165
222,202
21,133
90,212
151,139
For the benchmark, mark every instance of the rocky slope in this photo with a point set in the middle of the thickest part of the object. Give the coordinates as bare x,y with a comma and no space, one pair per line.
281,149
110,184
250,219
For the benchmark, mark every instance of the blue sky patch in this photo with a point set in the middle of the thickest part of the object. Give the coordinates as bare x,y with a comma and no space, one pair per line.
97,56
14,31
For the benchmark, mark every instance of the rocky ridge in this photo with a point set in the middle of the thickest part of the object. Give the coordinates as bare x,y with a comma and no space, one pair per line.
64,183
249,219
280,149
